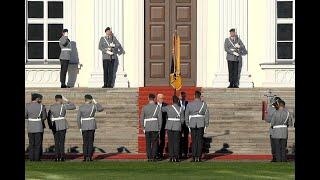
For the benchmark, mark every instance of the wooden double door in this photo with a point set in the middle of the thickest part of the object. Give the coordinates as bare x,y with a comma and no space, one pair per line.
162,17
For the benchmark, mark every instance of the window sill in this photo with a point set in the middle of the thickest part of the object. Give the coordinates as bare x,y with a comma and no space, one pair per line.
282,65
41,65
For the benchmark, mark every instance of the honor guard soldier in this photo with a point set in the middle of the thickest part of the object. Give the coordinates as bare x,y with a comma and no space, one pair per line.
175,118
184,149
197,119
235,50
65,56
280,119
36,114
109,46
58,123
151,122
87,124
162,137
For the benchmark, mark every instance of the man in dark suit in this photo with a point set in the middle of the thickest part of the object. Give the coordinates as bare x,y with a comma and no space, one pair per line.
184,149
162,138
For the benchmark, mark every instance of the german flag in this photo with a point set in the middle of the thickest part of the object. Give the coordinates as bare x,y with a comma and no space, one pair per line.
175,76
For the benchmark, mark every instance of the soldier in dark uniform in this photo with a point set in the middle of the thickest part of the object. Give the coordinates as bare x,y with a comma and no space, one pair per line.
175,117
184,149
58,123
280,119
64,57
197,119
87,124
35,114
151,122
162,139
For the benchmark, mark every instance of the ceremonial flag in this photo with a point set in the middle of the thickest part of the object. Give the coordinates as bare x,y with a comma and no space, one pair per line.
175,76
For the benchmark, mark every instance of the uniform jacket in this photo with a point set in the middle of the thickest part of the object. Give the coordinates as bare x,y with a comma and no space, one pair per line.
103,45
193,109
146,113
171,113
54,111
278,117
65,46
228,46
33,111
85,112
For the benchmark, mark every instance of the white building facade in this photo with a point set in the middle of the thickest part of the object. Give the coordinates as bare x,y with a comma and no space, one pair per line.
266,27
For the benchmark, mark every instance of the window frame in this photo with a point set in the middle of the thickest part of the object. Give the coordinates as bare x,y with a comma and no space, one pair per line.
45,21
286,21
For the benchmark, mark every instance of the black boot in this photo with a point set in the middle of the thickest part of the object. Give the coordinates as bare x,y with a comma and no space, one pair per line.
170,160
104,86
63,86
56,159
193,159
62,159
230,86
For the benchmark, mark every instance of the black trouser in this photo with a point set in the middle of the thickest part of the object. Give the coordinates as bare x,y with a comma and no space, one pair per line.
152,138
88,139
273,150
108,72
59,139
35,141
233,72
184,140
174,143
162,142
197,141
281,147
64,70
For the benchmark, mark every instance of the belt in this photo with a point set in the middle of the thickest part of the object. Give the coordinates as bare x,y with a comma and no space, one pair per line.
56,119
87,119
38,119
173,119
65,49
193,116
149,119
280,126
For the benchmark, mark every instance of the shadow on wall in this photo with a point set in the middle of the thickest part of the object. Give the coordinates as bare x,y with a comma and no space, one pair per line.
73,70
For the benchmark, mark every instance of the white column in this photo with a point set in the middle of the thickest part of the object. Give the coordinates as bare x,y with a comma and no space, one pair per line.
202,29
107,13
270,56
233,14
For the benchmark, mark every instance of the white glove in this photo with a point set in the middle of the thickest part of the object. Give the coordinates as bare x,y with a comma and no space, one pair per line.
189,130
65,99
66,34
94,101
109,52
205,129
112,45
232,49
144,131
237,45
80,131
235,53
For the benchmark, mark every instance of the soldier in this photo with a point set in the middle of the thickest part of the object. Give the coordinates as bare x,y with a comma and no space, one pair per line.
272,107
235,50
35,113
197,120
162,104
110,47
87,124
58,124
280,119
184,129
175,117
151,122
65,55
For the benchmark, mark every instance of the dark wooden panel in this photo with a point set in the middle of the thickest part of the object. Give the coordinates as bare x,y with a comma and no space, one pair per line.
157,1
157,51
183,14
157,32
157,70
185,32
185,51
157,13
185,69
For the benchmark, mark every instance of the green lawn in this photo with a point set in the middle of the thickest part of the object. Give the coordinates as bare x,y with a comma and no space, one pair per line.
160,170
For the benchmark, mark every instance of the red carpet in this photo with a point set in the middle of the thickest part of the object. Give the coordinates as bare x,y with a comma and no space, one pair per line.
142,156
168,92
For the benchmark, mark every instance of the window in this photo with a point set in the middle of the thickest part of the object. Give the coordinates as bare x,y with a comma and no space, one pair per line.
285,30
44,26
